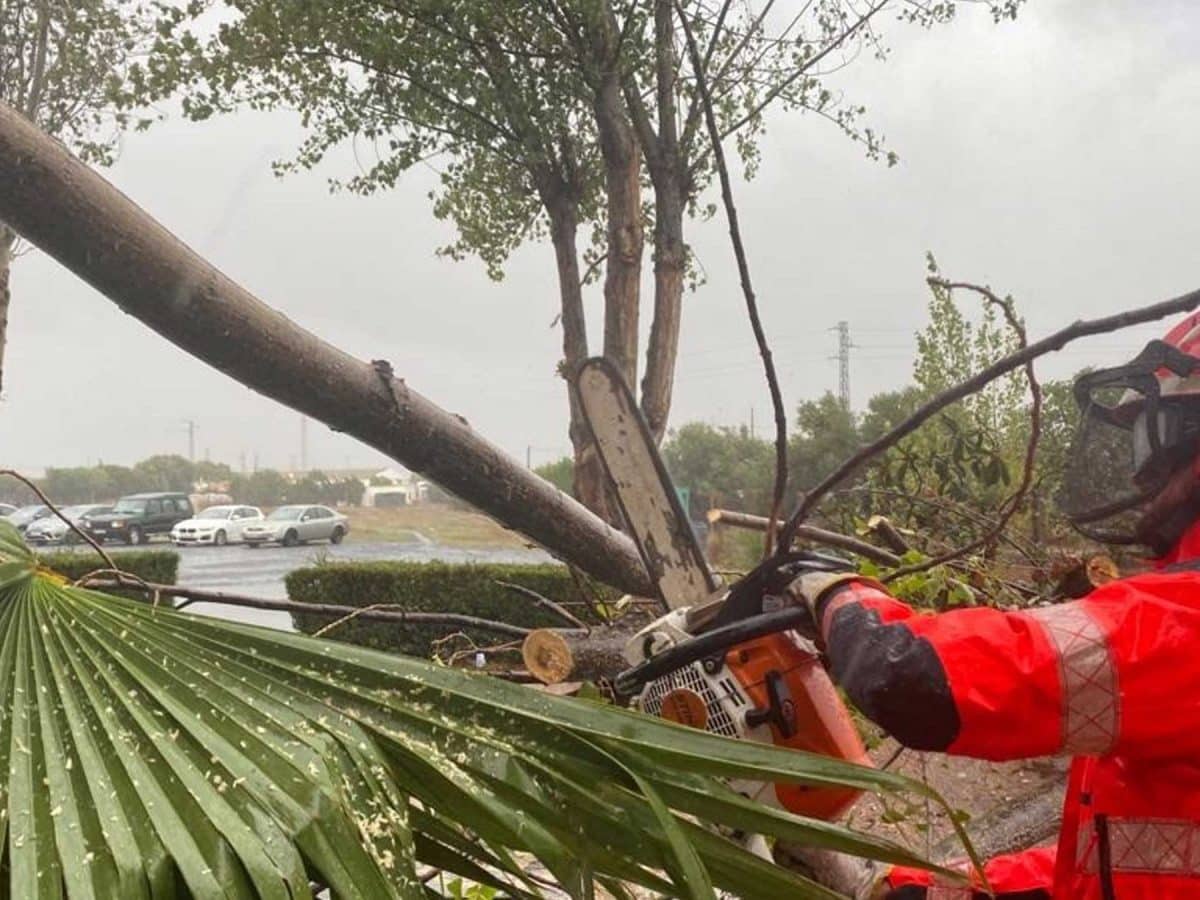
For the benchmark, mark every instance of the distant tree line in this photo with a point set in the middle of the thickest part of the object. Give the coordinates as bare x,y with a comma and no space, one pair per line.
265,487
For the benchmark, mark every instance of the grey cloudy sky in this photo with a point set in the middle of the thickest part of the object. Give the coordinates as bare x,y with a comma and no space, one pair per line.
1054,158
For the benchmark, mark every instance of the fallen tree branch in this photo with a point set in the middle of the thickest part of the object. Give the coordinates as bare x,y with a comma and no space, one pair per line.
739,252
807,533
1035,430
951,507
544,602
1056,341
192,595
73,214
54,509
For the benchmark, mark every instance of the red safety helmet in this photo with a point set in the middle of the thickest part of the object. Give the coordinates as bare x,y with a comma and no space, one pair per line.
1139,425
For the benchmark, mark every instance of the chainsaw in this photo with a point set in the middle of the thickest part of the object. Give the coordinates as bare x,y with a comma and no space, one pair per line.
732,660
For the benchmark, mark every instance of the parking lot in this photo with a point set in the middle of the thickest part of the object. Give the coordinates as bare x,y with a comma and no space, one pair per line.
260,572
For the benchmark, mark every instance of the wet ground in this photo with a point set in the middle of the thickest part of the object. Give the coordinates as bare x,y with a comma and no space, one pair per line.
260,572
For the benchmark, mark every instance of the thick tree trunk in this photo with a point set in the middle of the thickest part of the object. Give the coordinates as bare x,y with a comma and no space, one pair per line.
60,205
589,481
670,261
7,240
623,268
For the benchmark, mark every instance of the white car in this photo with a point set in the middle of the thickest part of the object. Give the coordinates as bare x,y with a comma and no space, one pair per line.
217,525
297,524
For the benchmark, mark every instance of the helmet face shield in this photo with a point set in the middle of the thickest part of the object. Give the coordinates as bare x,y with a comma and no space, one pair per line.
1129,442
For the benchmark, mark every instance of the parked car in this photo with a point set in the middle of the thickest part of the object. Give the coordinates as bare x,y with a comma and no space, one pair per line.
53,530
217,525
292,525
27,515
138,517
6,510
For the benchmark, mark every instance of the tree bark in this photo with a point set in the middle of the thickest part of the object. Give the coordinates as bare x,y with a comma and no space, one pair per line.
589,480
60,205
623,190
670,260
667,168
7,240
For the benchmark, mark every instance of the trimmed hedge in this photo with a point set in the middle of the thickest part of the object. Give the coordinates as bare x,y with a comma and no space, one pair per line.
469,589
158,566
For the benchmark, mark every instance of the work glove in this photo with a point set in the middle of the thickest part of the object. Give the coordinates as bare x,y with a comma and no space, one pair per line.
815,575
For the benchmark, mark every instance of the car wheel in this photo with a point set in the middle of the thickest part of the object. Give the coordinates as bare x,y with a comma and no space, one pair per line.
219,539
336,537
291,539
135,536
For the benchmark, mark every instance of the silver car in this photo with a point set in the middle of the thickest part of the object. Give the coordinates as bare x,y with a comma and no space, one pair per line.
27,515
292,525
53,530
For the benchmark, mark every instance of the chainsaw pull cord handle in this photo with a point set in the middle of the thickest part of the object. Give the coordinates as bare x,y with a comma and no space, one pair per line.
713,642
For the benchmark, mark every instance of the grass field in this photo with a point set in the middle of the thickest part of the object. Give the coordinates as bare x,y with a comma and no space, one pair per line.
436,522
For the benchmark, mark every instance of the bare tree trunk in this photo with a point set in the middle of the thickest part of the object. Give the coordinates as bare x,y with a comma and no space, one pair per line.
589,480
670,261
7,240
623,272
74,215
667,173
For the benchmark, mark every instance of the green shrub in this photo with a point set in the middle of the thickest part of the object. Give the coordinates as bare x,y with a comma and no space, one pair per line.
468,589
157,566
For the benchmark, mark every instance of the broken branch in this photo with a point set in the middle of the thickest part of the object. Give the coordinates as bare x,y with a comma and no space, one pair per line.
320,609
807,533
1056,341
1035,430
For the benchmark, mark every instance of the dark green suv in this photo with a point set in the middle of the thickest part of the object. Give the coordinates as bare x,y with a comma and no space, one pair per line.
136,518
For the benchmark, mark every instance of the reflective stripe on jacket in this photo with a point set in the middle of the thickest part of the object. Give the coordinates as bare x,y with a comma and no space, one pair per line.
1113,680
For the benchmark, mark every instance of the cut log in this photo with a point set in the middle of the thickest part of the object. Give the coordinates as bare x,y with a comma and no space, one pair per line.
64,208
807,533
554,657
1083,576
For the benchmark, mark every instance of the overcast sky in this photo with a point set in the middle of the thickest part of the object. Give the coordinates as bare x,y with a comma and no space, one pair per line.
1054,158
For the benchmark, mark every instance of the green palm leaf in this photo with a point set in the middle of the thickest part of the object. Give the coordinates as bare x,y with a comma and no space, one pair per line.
154,754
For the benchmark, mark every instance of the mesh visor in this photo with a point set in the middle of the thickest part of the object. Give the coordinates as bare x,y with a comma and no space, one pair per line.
1129,441
1101,495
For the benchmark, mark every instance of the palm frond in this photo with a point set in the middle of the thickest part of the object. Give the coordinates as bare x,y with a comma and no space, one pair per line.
155,754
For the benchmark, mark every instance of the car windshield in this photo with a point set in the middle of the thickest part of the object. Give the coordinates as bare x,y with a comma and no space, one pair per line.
216,512
26,514
74,512
287,513
130,506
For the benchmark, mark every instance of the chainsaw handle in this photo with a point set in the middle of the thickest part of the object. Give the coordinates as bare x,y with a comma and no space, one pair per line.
712,642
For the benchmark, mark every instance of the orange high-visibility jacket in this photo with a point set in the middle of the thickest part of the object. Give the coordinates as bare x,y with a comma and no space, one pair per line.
1112,680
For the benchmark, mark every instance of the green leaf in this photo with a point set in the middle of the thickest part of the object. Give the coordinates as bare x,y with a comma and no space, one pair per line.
152,754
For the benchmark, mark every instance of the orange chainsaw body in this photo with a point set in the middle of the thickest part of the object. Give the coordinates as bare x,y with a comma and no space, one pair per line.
776,671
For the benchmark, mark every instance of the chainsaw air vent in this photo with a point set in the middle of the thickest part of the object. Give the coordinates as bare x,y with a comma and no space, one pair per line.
692,678
731,692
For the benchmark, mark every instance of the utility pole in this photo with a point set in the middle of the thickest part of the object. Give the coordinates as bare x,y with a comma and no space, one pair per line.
843,358
191,427
304,443
528,456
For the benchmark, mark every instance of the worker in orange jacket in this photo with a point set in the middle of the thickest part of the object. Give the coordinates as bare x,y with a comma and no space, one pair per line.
1112,680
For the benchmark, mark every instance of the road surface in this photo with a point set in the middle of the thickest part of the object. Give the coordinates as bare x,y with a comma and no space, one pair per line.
260,573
